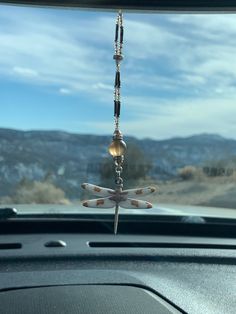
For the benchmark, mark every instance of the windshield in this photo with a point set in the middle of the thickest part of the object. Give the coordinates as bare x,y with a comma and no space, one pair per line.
177,114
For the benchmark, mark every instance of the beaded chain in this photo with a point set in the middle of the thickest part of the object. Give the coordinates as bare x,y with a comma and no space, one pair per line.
118,146
118,57
117,197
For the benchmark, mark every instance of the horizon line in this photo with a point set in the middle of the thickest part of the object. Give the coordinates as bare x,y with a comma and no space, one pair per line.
107,135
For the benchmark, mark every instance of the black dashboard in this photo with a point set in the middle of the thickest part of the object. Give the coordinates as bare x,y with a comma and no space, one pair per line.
77,272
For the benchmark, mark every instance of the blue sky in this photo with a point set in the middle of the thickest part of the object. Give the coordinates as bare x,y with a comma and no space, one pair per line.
57,72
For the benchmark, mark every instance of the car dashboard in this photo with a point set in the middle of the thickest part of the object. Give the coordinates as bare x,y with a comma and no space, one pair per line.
68,270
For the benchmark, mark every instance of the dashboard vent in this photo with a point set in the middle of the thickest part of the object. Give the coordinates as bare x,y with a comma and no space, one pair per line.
10,246
162,245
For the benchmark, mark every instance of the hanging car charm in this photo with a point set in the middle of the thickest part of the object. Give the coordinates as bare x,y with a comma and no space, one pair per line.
118,197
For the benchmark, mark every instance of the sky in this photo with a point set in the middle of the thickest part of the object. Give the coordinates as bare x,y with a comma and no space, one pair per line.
57,72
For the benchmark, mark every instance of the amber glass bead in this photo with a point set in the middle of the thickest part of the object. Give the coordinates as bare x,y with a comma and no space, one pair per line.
117,148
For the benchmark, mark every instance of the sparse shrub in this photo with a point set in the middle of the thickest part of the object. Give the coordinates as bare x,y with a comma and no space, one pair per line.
233,176
36,192
187,172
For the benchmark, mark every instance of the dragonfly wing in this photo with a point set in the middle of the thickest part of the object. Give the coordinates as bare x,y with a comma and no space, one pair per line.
139,192
132,203
100,203
97,190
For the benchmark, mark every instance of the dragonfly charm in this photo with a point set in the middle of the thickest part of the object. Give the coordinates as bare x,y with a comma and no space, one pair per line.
117,198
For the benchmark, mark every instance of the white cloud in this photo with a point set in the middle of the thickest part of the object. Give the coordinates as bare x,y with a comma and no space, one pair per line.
64,91
103,86
211,26
43,44
179,71
188,117
164,119
25,72
167,53
150,41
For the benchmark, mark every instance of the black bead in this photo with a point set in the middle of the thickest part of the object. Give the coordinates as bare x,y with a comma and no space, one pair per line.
117,79
121,34
116,33
118,57
116,108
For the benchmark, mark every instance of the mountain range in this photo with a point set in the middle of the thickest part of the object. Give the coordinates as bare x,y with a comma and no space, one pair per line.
69,159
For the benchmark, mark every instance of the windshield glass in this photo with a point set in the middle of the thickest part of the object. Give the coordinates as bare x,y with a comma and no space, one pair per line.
177,115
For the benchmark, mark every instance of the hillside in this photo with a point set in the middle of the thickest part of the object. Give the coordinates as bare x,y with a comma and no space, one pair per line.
68,159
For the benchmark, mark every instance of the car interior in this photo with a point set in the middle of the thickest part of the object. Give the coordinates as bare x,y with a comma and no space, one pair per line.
79,256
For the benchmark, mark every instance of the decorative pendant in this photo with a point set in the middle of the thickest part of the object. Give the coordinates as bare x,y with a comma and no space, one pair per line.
118,197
